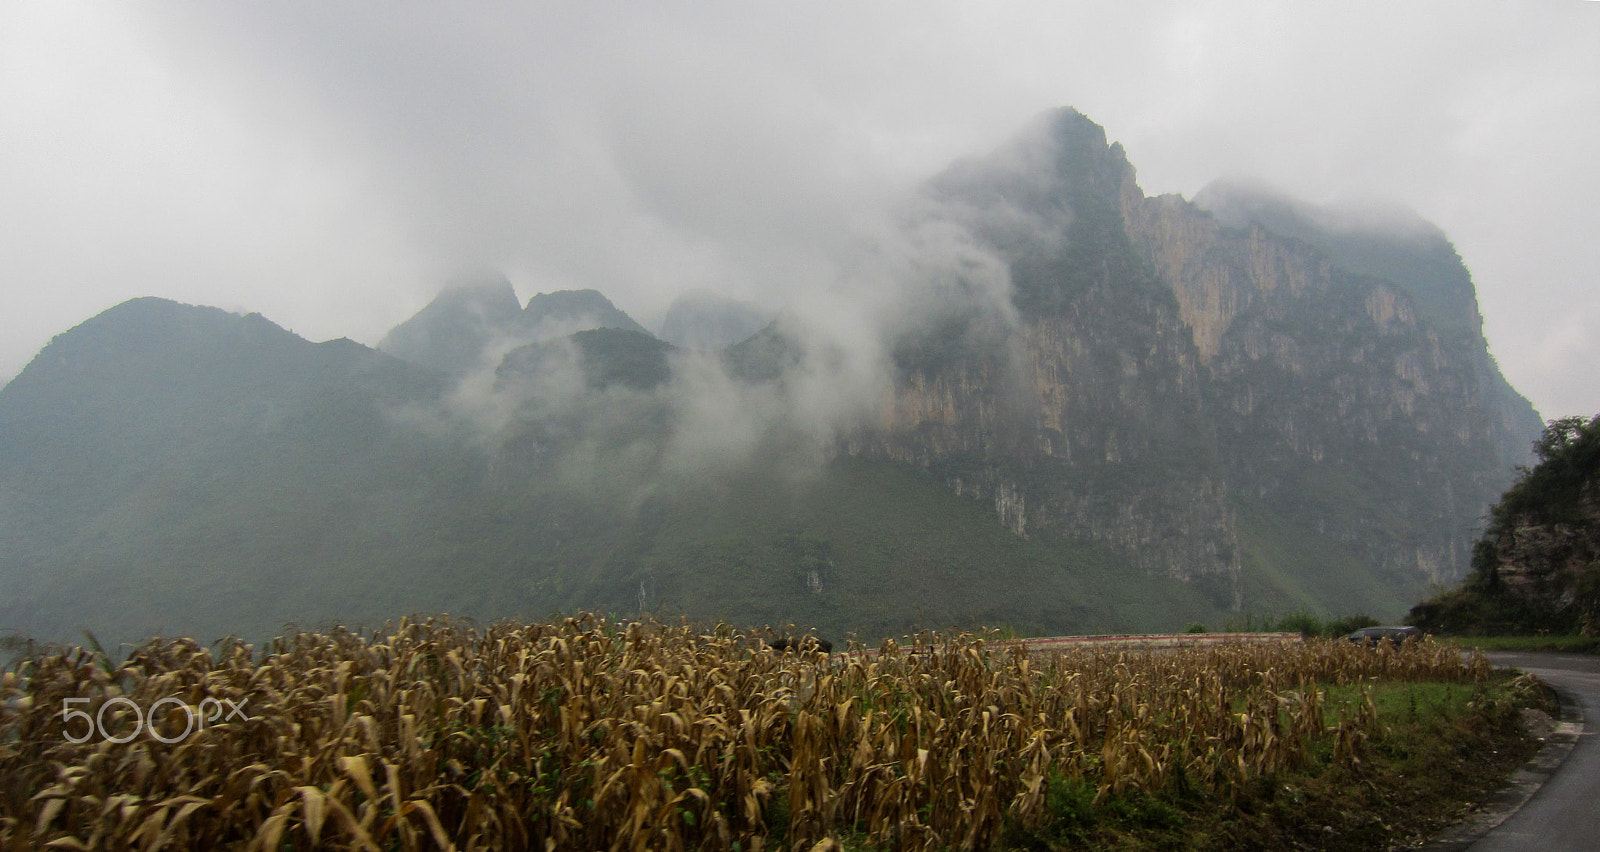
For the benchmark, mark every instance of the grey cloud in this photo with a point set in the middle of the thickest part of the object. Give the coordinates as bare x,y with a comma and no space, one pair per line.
329,166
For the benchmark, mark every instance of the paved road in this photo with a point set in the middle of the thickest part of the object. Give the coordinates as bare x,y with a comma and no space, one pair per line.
1565,812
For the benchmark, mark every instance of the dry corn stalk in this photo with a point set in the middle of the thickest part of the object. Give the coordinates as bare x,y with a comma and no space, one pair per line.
592,734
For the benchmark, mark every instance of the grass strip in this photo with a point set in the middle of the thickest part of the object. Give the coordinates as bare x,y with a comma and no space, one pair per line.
1562,644
1438,749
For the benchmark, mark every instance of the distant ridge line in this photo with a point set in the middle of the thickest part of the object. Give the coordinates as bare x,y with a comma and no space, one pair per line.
1139,641
1151,640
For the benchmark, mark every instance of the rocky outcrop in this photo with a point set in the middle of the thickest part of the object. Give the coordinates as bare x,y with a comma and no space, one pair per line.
450,333
708,321
565,312
474,322
1546,561
1543,541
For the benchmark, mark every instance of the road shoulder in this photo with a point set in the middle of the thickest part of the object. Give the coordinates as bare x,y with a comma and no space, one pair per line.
1521,786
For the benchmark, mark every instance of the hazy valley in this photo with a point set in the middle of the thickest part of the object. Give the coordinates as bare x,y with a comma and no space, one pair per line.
1033,397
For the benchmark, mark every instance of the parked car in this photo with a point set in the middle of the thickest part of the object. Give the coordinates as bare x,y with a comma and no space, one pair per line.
1375,635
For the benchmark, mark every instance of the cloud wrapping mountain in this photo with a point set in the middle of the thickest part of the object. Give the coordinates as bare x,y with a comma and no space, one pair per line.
1263,407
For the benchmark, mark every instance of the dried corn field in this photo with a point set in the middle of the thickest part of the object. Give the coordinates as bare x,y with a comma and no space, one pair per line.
584,734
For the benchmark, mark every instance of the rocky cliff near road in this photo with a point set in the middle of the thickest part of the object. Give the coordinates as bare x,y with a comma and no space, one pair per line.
1550,560
1537,567
1543,540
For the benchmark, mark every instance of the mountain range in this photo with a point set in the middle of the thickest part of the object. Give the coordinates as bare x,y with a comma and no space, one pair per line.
1061,406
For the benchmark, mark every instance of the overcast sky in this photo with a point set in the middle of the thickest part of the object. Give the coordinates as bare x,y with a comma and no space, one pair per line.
331,165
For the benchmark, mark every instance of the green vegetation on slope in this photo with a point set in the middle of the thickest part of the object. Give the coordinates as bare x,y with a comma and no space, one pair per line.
1286,564
875,548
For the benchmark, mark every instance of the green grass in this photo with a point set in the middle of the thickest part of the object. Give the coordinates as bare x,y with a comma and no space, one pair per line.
1438,746
1565,644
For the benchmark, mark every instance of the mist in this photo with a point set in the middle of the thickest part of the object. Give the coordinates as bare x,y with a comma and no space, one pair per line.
331,167
545,399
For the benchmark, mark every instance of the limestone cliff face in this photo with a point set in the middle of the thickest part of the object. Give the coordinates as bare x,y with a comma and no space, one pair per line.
1209,399
1322,371
1075,435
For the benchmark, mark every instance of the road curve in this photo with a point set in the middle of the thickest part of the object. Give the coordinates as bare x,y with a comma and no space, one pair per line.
1564,811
